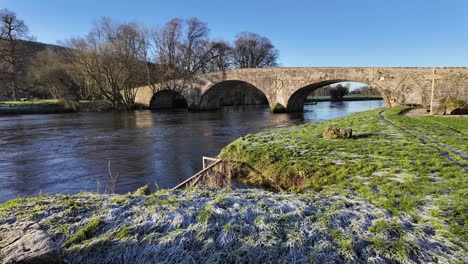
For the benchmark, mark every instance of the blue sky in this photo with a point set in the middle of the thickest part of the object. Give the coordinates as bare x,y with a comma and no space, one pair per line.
307,33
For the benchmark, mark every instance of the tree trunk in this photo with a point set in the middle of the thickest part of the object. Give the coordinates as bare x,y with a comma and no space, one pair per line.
13,90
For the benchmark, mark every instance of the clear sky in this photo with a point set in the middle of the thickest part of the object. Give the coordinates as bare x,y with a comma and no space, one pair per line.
307,33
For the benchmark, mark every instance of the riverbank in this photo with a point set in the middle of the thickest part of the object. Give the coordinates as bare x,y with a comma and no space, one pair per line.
51,106
33,107
413,167
219,226
311,99
385,195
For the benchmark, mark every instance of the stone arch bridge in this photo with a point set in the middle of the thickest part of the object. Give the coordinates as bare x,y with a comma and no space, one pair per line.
285,89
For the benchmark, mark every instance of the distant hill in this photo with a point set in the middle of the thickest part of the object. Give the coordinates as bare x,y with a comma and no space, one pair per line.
27,51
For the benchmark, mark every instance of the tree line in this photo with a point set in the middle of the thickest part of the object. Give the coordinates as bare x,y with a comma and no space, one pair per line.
338,91
115,57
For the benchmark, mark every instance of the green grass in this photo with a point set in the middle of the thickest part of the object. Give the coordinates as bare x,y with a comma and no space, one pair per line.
120,199
245,225
47,106
10,205
452,131
124,232
457,123
382,163
33,107
84,233
31,102
381,195
42,101
142,191
205,214
157,200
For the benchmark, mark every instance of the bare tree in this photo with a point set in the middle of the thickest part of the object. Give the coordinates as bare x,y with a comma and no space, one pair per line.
183,49
254,51
366,90
50,69
166,50
113,60
195,46
221,56
12,31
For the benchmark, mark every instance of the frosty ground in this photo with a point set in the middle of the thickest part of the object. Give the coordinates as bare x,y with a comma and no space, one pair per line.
396,192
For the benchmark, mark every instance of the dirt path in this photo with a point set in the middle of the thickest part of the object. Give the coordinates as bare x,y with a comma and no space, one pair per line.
425,140
424,112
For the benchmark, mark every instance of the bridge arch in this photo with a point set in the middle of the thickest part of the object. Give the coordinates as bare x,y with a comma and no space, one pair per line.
297,99
232,92
168,99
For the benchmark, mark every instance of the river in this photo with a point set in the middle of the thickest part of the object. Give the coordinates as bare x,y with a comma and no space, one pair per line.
69,153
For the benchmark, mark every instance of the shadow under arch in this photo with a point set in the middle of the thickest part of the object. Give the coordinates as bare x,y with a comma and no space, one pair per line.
168,99
298,98
232,92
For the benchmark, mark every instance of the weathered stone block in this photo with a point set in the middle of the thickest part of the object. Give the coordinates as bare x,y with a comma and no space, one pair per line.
337,132
27,243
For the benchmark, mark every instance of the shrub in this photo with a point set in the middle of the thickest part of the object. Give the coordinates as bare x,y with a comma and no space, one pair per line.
338,92
451,104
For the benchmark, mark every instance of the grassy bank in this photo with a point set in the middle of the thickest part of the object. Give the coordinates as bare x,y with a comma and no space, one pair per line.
51,106
382,163
32,107
383,196
220,226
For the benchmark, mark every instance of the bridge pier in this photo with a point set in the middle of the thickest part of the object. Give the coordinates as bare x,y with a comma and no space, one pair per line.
277,108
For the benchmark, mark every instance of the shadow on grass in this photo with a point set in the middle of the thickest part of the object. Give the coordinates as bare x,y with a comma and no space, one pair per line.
366,135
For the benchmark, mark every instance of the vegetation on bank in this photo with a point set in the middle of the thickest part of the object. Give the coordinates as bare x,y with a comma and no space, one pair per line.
343,92
33,107
452,131
456,123
382,163
228,226
52,106
350,97
450,104
383,196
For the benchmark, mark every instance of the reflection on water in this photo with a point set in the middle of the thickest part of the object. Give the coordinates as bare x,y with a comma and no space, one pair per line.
70,152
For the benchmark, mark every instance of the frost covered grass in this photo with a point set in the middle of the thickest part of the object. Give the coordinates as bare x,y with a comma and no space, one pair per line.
202,225
384,196
383,163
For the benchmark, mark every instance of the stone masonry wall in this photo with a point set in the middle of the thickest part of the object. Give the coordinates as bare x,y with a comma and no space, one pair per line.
287,87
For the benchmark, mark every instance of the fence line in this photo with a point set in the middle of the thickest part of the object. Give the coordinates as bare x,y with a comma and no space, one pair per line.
212,174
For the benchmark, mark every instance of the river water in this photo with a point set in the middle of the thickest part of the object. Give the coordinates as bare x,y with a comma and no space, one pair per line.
69,153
